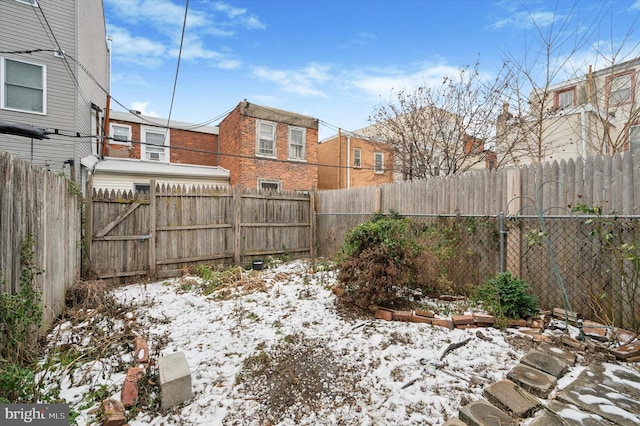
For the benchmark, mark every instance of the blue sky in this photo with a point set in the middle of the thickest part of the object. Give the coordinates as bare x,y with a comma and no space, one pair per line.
333,59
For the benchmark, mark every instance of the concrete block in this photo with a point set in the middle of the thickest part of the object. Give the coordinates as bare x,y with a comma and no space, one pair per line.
550,364
535,381
175,380
482,413
511,398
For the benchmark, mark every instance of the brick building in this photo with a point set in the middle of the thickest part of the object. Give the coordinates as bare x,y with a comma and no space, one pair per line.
349,161
268,148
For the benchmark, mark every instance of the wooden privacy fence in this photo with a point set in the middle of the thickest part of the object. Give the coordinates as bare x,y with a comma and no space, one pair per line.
160,233
612,183
537,200
39,204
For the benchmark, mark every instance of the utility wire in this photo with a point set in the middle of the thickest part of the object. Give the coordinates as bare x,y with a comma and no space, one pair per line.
175,81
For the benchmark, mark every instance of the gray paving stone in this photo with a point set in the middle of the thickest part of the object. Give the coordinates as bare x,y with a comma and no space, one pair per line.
482,413
511,398
573,416
608,390
542,361
175,380
569,357
535,381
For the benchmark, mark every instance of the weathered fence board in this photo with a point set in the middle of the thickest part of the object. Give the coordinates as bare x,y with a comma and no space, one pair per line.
39,204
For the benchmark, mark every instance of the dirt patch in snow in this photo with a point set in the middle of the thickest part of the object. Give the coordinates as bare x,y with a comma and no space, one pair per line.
295,377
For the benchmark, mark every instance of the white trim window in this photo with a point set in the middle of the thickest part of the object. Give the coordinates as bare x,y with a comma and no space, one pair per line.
634,139
120,134
155,144
269,184
378,162
24,86
297,143
565,98
265,138
620,88
357,158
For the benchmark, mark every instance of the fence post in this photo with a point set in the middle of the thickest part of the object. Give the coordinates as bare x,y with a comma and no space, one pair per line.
237,216
152,228
502,237
312,222
514,235
88,221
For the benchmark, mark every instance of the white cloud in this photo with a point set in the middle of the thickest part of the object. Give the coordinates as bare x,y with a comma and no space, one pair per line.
136,49
303,82
635,6
142,107
229,64
527,20
239,16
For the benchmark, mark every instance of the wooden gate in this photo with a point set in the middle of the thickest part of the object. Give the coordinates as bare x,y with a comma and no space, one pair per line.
161,233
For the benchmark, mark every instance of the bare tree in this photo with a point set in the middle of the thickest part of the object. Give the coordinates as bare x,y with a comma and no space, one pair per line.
440,131
555,103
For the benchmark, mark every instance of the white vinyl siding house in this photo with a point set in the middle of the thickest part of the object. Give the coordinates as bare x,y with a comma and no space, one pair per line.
49,90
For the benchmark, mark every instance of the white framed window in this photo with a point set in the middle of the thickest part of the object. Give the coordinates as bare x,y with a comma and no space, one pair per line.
24,86
565,98
620,88
269,184
155,144
378,162
120,134
357,158
266,138
297,143
634,139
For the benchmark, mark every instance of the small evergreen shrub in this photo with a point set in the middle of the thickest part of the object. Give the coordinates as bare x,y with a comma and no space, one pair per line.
506,296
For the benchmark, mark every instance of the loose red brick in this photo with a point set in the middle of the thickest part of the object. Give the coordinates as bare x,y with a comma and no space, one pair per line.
632,350
463,319
594,329
466,326
516,323
421,319
129,394
484,319
447,323
423,313
402,315
114,413
141,351
383,314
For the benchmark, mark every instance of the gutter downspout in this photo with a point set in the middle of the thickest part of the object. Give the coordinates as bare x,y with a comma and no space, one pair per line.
348,161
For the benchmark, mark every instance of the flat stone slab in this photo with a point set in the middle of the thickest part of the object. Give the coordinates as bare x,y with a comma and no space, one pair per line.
511,398
569,357
482,413
535,381
542,361
608,390
564,415
175,380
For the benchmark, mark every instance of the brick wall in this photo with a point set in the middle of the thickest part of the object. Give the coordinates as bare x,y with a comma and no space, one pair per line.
186,147
238,136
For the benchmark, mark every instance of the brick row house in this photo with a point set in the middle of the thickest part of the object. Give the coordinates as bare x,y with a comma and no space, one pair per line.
350,160
141,148
269,149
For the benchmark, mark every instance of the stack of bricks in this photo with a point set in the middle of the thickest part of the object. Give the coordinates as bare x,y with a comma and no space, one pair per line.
114,411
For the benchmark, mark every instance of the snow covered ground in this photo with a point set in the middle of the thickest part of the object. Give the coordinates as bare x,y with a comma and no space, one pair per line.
280,351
